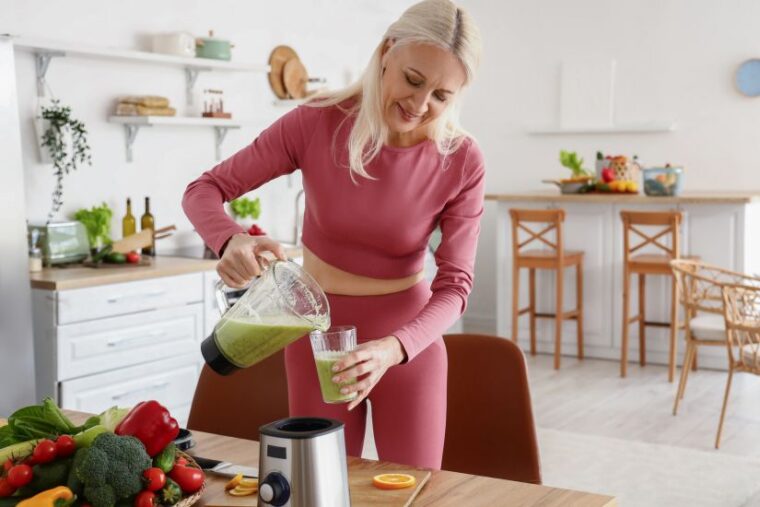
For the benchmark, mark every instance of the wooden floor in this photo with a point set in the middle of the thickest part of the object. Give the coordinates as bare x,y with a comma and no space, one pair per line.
590,397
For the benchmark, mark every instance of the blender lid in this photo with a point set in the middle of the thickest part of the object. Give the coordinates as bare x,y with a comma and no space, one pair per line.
300,427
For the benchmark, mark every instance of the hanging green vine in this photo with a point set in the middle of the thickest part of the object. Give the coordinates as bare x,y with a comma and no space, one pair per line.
54,140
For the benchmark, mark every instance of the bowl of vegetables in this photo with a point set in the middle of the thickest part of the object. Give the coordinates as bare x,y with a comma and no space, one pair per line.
663,181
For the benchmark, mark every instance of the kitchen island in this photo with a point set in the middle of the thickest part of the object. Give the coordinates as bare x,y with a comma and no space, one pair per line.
720,227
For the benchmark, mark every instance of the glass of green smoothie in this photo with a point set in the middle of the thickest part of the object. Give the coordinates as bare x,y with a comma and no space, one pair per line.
328,347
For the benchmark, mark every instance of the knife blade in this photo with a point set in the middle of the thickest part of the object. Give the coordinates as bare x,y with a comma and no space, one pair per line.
225,468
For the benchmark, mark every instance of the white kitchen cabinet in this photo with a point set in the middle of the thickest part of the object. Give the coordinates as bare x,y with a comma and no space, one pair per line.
120,343
718,229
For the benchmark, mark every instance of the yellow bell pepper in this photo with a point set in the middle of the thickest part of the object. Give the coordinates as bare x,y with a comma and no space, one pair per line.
48,497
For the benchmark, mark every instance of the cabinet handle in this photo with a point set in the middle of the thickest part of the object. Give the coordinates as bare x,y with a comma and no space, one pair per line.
121,341
159,385
153,293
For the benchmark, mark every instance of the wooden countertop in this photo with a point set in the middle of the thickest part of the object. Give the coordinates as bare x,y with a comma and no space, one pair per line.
685,198
77,277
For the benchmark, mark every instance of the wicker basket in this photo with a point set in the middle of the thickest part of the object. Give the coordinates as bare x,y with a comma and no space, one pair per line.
190,500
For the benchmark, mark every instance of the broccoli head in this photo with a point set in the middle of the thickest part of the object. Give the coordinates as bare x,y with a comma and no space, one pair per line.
111,469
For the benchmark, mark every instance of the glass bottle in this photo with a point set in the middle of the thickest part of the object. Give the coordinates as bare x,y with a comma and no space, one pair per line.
128,223
147,222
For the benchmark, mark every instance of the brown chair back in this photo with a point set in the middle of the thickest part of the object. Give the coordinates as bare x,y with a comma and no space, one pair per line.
489,426
551,219
238,404
666,223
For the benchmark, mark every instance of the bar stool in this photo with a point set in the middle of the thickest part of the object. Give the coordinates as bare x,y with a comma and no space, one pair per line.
667,224
555,258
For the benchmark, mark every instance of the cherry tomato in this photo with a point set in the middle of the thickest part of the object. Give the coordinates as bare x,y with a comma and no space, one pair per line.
5,488
44,452
189,479
133,257
145,499
65,446
155,478
180,462
8,464
20,475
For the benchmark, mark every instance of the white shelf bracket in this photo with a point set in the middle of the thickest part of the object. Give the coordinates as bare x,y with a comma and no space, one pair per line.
191,76
221,133
130,132
41,63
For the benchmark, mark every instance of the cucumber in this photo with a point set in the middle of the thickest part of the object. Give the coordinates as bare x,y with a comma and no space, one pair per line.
116,258
165,459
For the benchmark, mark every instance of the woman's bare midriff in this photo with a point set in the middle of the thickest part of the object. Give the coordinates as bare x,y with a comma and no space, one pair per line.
336,281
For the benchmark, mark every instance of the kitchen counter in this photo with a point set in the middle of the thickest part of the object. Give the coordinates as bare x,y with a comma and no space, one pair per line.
720,227
706,197
81,276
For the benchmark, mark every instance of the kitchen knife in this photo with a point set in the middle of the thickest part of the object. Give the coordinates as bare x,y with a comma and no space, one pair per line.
225,468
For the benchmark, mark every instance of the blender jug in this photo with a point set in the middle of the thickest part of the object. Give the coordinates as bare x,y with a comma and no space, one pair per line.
280,306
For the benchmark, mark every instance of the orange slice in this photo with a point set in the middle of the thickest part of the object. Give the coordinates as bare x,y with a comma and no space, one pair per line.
248,483
238,491
393,481
233,482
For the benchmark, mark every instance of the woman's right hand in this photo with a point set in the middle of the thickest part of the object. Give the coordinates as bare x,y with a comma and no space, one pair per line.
240,261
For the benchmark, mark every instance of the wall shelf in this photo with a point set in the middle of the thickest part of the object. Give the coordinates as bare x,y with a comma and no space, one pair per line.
631,128
44,51
132,125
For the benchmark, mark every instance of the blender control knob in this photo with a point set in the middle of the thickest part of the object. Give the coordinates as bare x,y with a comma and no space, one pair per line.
274,490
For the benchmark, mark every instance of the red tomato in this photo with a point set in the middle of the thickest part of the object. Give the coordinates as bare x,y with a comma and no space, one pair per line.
5,488
133,257
155,479
180,462
44,452
145,499
65,446
8,464
20,475
189,479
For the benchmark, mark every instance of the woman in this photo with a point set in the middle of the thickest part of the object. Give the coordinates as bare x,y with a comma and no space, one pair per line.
384,162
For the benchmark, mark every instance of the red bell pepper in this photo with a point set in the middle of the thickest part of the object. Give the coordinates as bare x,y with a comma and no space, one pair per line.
151,423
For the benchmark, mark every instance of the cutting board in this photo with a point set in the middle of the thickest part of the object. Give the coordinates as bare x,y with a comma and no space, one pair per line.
363,493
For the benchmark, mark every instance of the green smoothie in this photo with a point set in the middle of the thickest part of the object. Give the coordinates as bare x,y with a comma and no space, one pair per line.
245,342
330,390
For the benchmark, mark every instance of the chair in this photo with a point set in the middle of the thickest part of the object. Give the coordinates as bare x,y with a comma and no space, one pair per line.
702,298
639,223
742,314
555,258
238,404
489,425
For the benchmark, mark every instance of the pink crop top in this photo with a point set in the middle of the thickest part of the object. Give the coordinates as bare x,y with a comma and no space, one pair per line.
377,228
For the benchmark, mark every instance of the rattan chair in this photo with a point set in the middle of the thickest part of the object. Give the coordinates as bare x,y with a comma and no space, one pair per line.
742,314
701,295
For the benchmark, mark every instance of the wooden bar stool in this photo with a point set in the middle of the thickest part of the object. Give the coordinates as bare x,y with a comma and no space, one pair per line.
556,258
667,225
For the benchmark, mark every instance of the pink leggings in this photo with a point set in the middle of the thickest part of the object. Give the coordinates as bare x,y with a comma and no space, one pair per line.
409,401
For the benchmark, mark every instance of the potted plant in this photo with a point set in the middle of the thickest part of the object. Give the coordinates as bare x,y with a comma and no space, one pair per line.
64,141
243,208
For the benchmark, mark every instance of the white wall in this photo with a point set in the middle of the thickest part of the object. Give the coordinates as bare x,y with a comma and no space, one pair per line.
332,38
675,60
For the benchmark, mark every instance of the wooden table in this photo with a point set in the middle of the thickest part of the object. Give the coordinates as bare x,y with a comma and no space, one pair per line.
444,489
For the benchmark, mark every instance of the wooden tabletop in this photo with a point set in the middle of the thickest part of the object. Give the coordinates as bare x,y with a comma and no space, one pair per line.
706,197
444,489
77,277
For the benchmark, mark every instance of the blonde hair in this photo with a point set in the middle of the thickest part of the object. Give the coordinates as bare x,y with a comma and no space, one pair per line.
437,22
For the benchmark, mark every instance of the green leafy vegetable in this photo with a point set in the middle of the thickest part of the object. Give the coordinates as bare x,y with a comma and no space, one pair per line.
571,160
244,207
97,221
40,421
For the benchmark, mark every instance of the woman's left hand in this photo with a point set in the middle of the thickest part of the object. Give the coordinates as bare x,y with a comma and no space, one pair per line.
367,363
